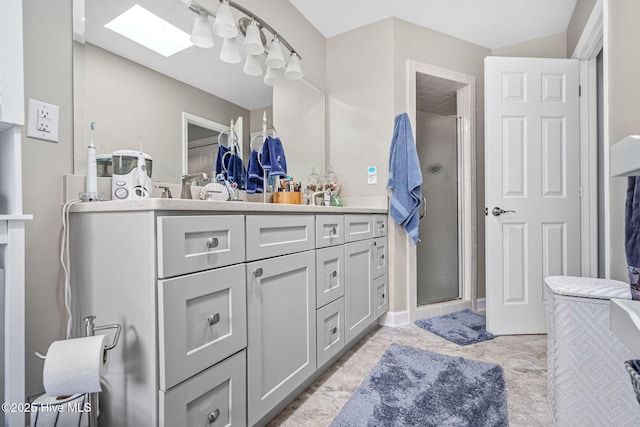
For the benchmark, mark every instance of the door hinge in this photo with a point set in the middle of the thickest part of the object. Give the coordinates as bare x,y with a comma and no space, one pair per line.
579,90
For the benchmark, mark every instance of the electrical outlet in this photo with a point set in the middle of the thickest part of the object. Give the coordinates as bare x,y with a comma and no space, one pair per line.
43,120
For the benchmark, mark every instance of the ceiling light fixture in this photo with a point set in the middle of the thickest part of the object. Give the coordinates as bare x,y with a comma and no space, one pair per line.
252,30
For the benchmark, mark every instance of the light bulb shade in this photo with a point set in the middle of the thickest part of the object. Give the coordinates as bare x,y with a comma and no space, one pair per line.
201,35
252,41
275,59
225,25
293,71
272,76
230,52
253,65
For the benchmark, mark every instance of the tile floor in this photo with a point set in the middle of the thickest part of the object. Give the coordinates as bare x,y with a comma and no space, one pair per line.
522,357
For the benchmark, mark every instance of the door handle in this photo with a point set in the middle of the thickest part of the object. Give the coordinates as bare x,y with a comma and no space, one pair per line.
499,211
424,208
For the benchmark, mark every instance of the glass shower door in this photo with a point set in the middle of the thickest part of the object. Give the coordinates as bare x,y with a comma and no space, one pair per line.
438,249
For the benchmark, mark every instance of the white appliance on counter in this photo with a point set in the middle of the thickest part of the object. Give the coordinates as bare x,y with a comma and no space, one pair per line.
131,175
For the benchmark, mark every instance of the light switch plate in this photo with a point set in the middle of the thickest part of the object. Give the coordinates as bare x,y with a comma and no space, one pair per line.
43,120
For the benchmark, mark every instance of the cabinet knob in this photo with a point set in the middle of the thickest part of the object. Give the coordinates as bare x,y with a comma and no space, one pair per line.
213,416
213,319
258,272
333,231
212,242
381,256
334,273
333,330
375,243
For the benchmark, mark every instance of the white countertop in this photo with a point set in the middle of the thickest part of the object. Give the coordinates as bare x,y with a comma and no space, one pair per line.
15,217
208,205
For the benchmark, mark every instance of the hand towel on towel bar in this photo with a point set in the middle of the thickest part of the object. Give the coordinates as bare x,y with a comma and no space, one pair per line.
255,174
405,178
272,156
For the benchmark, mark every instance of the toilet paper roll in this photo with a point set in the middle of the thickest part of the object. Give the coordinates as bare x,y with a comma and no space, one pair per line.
74,366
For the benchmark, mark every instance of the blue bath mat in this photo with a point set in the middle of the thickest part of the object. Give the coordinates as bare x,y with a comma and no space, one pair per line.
412,387
461,327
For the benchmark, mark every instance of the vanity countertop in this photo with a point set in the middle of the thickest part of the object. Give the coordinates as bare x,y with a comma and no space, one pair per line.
157,204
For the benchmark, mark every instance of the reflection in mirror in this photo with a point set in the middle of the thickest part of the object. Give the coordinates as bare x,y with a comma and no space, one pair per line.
134,94
200,144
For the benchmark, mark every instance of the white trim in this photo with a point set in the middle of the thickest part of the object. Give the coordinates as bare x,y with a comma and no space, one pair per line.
469,209
481,305
591,39
202,122
607,172
588,167
394,318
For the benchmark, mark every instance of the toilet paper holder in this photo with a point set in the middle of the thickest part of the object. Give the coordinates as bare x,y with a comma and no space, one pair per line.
90,330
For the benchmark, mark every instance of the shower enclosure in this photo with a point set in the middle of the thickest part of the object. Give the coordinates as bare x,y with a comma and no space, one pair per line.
439,267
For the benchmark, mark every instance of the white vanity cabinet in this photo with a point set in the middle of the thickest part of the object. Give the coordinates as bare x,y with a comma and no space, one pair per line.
226,316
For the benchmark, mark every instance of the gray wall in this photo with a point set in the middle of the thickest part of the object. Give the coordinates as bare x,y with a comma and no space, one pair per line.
48,77
554,46
622,68
576,25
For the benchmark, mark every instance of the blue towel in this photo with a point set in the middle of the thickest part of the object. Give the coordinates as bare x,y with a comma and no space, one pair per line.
272,156
632,234
220,166
255,174
405,178
236,172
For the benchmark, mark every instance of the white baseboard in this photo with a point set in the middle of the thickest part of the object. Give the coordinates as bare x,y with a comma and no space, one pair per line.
481,304
394,318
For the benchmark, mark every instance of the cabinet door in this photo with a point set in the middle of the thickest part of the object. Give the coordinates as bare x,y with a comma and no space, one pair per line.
381,295
379,256
358,287
330,275
281,312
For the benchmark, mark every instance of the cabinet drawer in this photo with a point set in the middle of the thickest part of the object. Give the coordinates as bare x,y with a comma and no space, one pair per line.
216,397
202,320
329,230
380,256
379,225
330,333
272,235
381,295
329,274
358,227
187,244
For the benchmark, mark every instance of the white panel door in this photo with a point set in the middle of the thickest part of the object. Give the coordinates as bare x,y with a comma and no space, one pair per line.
532,186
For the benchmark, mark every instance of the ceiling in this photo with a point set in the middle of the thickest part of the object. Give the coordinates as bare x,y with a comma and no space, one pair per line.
488,23
436,95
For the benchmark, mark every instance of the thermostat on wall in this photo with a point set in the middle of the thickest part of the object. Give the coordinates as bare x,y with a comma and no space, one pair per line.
372,175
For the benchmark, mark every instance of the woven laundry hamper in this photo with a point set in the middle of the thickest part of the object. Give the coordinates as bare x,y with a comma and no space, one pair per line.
588,383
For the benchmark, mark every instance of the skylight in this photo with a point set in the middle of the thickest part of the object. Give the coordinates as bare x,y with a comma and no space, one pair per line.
151,31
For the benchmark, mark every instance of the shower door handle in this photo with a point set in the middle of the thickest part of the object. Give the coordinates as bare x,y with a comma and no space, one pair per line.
424,208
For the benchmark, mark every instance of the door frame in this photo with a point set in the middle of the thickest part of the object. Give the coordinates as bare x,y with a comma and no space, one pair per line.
467,197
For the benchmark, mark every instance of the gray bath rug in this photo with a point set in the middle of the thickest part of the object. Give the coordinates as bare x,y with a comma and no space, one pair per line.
412,387
461,327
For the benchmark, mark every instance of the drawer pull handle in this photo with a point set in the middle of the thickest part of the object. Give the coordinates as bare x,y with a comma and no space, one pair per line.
333,231
213,319
258,272
213,416
212,242
333,330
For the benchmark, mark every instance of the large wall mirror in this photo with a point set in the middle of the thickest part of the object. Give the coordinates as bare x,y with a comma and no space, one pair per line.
138,98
